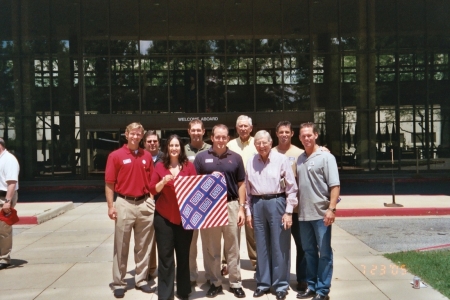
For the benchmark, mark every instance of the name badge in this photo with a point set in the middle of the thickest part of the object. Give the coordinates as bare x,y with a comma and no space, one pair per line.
209,160
126,161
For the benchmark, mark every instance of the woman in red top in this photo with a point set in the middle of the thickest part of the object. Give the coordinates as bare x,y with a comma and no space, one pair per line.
170,234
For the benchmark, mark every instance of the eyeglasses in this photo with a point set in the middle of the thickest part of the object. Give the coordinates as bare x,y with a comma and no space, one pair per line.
263,144
151,141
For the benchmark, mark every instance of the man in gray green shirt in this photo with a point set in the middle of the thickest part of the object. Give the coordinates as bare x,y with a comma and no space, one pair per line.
196,132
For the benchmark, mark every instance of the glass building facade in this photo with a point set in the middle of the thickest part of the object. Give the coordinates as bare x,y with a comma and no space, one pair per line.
373,74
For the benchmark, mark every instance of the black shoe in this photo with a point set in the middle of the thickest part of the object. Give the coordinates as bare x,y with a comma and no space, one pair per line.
259,292
306,294
193,283
4,266
281,295
238,292
321,297
182,297
302,286
145,288
213,291
119,293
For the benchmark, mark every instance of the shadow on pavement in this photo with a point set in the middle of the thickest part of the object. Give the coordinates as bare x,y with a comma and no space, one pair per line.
17,263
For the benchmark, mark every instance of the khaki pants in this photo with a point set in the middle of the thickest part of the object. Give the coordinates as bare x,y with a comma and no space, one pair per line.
6,234
136,216
152,265
251,244
211,239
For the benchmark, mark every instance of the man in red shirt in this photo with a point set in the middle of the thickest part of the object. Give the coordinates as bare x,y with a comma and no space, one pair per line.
128,173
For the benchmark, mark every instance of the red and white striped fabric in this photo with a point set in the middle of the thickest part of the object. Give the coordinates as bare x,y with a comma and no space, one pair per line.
202,200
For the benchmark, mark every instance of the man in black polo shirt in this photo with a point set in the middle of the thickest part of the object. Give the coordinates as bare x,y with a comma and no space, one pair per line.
220,159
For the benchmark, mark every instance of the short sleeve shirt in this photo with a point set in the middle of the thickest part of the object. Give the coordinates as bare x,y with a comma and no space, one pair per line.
191,152
9,170
245,149
129,171
229,163
315,175
292,154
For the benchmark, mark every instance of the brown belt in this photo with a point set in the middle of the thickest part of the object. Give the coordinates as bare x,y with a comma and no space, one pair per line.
133,198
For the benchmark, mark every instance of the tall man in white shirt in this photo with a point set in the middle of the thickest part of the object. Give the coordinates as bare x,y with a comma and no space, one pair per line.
245,146
9,184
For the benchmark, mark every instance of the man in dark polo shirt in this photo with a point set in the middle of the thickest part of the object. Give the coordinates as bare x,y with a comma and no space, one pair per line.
220,159
128,172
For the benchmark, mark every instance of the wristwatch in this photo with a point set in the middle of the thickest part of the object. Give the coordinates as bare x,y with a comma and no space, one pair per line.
289,214
7,200
333,210
242,204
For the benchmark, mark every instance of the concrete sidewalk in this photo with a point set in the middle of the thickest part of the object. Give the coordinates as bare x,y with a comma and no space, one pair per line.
70,257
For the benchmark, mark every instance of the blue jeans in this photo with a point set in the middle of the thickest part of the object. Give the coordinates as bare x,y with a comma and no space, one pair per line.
300,264
316,242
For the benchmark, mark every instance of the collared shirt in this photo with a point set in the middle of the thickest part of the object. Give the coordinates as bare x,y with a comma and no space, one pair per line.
264,178
9,170
292,154
245,149
316,174
191,152
229,163
130,172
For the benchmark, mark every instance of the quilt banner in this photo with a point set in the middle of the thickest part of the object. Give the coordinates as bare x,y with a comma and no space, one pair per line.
202,200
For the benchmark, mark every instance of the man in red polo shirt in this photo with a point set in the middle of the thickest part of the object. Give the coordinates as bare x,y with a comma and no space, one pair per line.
128,172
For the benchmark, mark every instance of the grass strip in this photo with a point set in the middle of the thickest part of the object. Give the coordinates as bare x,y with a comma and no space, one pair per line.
431,266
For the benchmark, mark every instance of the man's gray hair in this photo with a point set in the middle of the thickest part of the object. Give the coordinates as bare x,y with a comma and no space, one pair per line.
263,134
244,118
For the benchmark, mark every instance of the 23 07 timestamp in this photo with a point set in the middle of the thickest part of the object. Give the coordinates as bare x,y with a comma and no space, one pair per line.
382,270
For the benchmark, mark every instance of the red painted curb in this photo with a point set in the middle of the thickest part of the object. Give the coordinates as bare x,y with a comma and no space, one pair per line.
27,220
391,211
444,246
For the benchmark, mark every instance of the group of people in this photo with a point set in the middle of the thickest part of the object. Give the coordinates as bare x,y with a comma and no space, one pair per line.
272,192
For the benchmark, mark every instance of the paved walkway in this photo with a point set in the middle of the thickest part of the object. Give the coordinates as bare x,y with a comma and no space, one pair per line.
70,257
